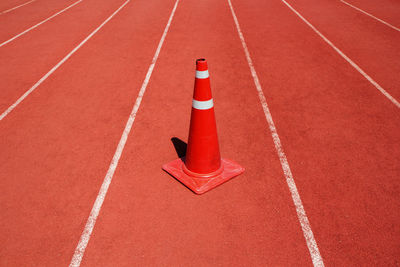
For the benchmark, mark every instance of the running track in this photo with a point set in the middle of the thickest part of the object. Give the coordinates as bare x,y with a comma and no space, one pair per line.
339,134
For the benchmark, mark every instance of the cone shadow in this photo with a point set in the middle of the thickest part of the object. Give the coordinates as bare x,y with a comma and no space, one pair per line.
180,146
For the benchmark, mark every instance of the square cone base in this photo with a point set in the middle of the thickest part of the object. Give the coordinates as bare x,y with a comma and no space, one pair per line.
202,185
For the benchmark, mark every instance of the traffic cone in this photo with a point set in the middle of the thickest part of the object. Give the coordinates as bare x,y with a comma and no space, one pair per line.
202,168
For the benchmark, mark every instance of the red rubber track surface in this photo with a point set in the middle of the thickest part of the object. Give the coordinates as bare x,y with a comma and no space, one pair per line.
29,57
369,43
248,220
341,136
8,4
57,145
387,10
20,19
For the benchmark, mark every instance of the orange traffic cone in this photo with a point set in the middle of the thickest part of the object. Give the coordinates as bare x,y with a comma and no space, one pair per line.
202,169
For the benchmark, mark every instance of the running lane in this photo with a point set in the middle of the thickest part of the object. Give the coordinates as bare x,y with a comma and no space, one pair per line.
372,45
9,4
340,135
387,10
56,147
28,58
17,21
150,219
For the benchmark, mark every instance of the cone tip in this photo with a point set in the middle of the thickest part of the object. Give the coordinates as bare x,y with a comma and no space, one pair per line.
201,64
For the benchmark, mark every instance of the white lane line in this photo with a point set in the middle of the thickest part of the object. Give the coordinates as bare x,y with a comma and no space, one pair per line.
301,213
5,113
372,16
94,213
351,62
40,23
11,9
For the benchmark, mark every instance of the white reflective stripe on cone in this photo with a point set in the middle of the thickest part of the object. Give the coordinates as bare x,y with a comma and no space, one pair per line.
203,105
202,74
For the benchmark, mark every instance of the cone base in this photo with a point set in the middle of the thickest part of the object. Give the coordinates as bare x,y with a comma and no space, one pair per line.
200,185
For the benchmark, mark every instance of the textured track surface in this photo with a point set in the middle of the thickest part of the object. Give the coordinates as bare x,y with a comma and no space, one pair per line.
341,136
